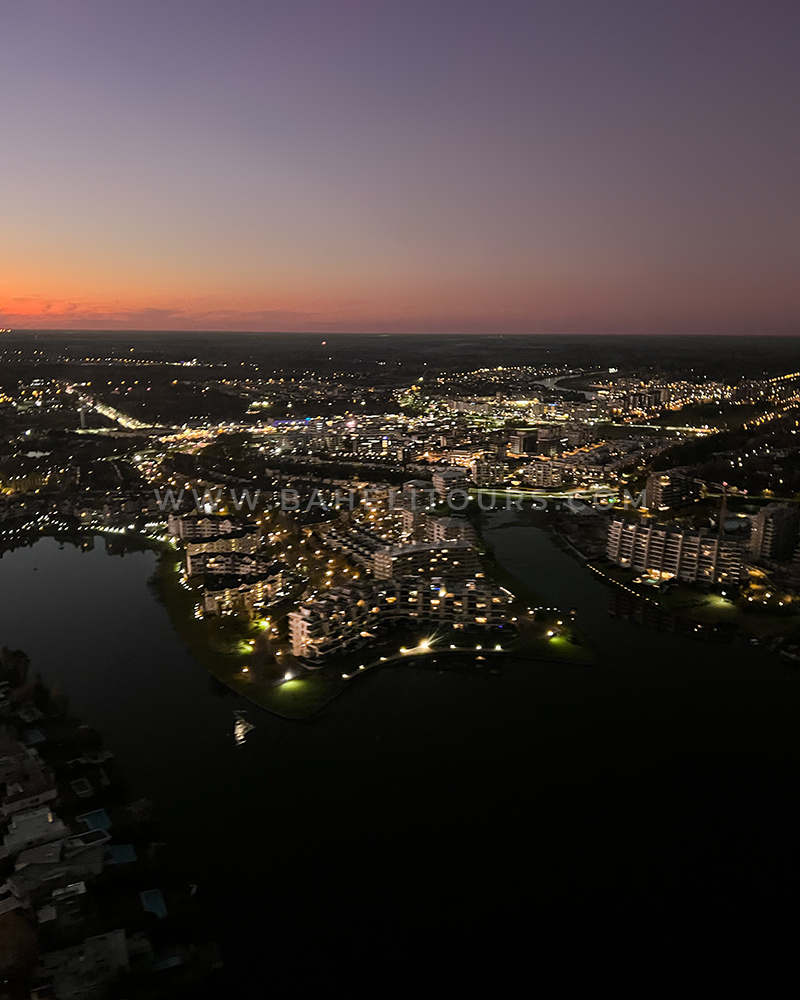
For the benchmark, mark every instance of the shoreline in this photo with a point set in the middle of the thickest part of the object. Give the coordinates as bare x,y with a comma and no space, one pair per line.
224,650
93,896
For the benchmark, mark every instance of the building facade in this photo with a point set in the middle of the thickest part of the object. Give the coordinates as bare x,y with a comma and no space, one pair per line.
693,556
244,539
347,617
665,490
775,531
448,559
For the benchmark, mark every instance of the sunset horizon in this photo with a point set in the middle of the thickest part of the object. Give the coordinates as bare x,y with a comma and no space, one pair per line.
567,168
399,490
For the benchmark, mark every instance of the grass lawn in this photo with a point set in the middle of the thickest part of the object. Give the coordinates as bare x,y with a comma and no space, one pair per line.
752,620
242,656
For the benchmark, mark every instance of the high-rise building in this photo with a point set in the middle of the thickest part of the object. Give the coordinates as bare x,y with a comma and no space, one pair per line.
775,532
544,473
794,570
551,441
690,555
449,478
666,490
489,473
523,443
446,559
646,399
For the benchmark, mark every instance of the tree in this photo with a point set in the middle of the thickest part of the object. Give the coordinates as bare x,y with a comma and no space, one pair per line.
17,948
14,664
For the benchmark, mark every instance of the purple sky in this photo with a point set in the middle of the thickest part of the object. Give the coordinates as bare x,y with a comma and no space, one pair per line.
570,165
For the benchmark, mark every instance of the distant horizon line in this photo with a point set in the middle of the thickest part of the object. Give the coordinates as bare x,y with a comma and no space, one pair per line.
399,333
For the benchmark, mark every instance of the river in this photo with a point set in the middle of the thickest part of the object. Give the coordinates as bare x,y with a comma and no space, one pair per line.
423,800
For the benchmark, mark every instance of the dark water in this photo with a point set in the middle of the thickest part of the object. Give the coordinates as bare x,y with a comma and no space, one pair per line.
428,807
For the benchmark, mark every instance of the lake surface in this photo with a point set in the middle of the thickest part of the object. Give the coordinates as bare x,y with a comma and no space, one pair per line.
421,804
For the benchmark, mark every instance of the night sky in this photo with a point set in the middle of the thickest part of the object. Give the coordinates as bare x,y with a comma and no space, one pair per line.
430,165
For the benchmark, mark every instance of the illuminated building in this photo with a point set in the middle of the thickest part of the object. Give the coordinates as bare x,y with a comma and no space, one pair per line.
775,530
452,559
669,489
689,555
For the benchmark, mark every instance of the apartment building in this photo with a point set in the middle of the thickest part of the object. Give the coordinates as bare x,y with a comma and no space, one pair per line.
348,616
243,539
690,555
775,532
448,558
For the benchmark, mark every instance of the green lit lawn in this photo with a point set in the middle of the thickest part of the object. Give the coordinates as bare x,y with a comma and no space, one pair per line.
713,609
238,653
557,648
299,698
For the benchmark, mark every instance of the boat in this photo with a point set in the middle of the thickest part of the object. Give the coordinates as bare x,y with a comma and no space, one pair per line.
241,727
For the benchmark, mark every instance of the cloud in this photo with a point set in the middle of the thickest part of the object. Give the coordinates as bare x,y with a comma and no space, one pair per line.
43,312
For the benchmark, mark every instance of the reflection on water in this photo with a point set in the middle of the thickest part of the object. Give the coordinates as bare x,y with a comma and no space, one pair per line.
657,769
619,625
